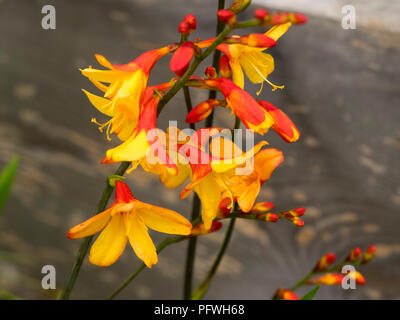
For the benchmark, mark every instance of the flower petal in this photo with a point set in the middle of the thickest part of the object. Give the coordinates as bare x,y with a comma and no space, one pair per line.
249,196
103,105
90,226
110,244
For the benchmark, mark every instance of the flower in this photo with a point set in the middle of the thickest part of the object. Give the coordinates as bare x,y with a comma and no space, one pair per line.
331,279
145,138
253,61
242,104
124,96
212,179
128,219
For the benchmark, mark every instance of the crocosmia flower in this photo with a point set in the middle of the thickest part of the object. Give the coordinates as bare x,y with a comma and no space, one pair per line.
128,219
124,95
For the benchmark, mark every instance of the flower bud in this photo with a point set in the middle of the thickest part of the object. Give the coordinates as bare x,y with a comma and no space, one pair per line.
239,5
298,212
184,28
368,254
285,294
181,58
261,14
325,262
202,110
262,207
210,72
224,67
297,18
190,19
259,40
200,230
227,17
224,207
271,217
354,255
280,18
329,279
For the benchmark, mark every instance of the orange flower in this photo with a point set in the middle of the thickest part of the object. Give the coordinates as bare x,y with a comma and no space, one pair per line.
285,294
124,96
128,219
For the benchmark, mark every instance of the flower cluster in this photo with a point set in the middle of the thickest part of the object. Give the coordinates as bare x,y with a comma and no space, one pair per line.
211,164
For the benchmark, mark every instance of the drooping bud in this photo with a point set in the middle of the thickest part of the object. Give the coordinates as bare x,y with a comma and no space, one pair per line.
285,294
210,72
271,217
181,58
200,230
190,19
224,67
354,255
261,14
184,28
280,18
227,17
298,18
203,110
325,262
239,5
298,212
262,207
259,40
368,254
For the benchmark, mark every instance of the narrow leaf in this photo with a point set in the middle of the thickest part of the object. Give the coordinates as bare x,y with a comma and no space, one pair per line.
310,294
6,180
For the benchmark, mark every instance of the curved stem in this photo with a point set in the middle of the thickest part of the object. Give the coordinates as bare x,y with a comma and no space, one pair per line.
87,241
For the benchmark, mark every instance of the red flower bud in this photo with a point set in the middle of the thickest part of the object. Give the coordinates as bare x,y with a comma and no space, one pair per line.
280,18
325,262
227,17
285,294
202,110
184,28
298,18
181,58
210,72
200,230
354,255
224,67
368,254
261,14
298,212
271,217
262,206
259,40
190,19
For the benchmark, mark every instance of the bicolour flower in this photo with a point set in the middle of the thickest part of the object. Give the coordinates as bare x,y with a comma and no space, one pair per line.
128,219
210,179
145,141
257,64
124,95
246,108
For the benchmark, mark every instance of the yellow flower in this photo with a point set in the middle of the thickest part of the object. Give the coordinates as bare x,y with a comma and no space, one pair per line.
124,94
128,219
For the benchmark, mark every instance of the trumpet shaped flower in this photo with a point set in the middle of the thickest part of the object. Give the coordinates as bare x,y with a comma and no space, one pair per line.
124,95
128,219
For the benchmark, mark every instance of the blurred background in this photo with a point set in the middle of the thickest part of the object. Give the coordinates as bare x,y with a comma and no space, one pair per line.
342,90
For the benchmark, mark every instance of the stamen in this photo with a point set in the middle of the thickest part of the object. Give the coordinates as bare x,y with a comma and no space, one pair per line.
102,125
274,87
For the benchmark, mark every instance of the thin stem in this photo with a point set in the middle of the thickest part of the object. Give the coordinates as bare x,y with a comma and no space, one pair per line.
188,101
87,241
216,57
191,252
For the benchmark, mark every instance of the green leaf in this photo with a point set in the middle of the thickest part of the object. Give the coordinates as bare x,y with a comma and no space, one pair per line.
310,294
5,295
6,180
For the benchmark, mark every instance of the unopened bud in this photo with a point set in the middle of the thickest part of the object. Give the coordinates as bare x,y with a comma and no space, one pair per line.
262,207
298,212
261,14
259,40
200,230
184,28
190,19
271,217
239,5
181,58
224,67
210,72
285,294
227,17
202,110
354,255
280,18
224,208
368,254
325,262
297,18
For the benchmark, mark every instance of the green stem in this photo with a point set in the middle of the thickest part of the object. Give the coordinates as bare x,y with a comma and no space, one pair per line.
188,101
191,250
87,241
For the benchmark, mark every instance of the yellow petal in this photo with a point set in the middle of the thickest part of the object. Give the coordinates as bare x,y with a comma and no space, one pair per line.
107,76
164,220
257,65
103,105
248,197
110,244
140,240
237,73
277,31
90,226
132,149
209,193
